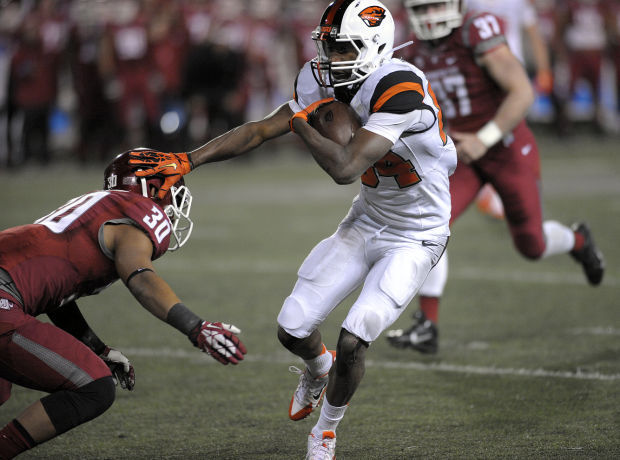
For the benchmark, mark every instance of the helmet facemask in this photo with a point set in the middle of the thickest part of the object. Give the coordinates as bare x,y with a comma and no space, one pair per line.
177,204
178,212
437,22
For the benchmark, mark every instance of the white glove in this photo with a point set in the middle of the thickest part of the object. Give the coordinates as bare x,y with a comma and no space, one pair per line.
122,370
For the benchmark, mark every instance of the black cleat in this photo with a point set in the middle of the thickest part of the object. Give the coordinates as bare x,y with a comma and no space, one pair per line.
589,256
422,336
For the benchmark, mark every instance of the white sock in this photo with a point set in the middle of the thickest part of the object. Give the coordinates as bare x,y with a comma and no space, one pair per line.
329,419
559,239
321,364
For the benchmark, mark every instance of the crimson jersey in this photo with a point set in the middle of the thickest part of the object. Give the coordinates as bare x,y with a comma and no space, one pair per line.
467,95
62,256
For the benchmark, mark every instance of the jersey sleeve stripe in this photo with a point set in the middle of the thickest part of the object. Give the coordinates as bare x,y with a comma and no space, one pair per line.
394,90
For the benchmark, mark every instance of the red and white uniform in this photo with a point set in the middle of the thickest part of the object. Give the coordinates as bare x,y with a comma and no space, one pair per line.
58,259
397,227
469,98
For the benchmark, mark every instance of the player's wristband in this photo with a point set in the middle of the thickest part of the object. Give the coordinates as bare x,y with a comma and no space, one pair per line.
182,318
490,134
191,163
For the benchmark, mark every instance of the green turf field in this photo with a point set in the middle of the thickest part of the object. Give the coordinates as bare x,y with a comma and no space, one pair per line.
529,360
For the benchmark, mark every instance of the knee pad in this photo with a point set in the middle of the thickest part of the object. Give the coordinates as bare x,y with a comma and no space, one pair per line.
292,317
70,408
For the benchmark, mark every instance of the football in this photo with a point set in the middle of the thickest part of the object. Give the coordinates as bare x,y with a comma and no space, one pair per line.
336,121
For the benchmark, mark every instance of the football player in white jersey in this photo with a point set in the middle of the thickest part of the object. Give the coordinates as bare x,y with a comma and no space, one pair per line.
397,227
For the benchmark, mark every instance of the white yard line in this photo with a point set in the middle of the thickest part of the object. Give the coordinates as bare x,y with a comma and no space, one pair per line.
435,367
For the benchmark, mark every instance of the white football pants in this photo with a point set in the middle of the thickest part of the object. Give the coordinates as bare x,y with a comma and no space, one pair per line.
391,267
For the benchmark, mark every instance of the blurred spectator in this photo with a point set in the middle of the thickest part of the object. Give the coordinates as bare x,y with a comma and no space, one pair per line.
169,42
612,15
126,63
579,42
33,88
214,68
95,119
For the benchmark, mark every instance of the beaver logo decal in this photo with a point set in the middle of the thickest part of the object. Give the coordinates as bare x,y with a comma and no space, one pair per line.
373,16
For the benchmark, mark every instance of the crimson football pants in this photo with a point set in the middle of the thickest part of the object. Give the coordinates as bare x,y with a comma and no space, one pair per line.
513,168
43,357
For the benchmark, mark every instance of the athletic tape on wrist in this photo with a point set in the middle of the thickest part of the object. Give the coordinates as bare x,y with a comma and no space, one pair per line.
182,318
490,134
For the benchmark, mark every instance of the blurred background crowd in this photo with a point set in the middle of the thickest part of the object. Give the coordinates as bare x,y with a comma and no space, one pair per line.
85,79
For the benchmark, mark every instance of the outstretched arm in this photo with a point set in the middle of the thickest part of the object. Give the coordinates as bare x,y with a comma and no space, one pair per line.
231,144
132,256
244,138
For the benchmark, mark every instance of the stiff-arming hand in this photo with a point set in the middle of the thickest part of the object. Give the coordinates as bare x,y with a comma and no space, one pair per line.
219,341
122,370
308,111
169,165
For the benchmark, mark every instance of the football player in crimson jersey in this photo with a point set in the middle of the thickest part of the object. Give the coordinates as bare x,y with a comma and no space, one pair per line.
484,94
397,227
75,251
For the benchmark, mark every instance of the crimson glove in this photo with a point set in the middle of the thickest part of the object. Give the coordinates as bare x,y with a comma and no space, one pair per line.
305,113
219,341
169,165
122,370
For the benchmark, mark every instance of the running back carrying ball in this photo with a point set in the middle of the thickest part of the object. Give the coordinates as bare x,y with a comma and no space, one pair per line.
336,121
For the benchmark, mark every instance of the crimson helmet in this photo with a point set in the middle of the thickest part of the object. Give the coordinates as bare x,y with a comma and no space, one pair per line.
119,175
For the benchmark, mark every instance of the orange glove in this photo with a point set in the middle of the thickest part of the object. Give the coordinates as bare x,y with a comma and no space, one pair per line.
544,81
169,165
305,113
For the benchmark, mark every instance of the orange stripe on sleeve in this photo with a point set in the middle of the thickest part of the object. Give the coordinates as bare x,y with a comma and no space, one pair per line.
399,88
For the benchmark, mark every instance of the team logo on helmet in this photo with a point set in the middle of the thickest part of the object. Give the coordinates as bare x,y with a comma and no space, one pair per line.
373,16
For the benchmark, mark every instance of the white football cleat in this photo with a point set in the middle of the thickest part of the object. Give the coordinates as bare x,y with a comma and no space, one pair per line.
322,449
309,392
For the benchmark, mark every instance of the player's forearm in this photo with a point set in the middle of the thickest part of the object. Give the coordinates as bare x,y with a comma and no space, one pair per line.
244,138
231,144
153,293
514,108
334,159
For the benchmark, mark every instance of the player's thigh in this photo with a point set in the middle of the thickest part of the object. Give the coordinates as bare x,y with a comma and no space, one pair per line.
390,286
332,270
464,186
517,182
43,357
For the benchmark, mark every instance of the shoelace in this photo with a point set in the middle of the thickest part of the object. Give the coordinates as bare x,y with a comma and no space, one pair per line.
305,383
322,446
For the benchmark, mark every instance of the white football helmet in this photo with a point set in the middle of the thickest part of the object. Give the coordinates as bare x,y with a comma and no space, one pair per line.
367,25
433,19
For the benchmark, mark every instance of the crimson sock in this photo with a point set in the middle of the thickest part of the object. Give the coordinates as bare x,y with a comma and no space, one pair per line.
430,307
14,439
579,241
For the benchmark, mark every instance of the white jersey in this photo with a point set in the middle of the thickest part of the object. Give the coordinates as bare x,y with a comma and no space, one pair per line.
408,189
516,14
